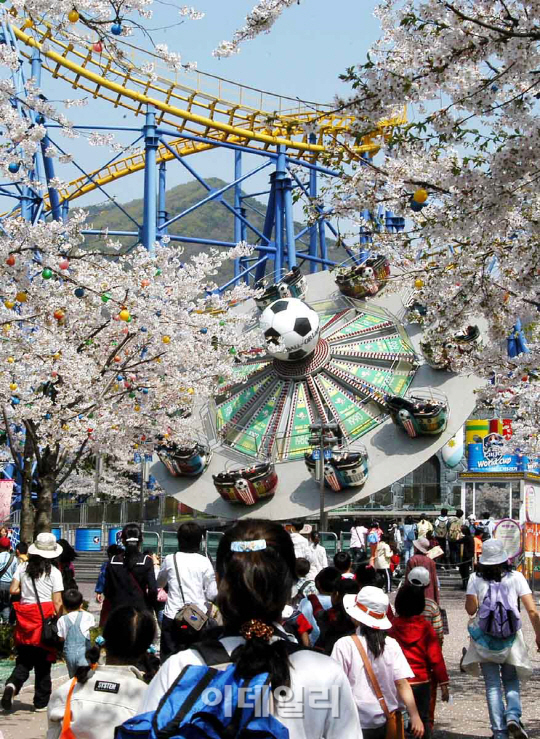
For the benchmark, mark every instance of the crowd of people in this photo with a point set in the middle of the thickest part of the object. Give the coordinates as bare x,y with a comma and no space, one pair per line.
320,638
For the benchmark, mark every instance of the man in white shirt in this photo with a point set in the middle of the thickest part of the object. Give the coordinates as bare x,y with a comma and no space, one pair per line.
318,552
358,541
190,578
300,543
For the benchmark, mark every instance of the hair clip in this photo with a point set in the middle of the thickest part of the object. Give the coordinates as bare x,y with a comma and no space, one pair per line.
100,641
256,545
151,649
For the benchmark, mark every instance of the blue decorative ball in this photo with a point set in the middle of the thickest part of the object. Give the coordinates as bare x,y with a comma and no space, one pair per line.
119,377
116,29
15,400
14,167
79,292
204,330
145,391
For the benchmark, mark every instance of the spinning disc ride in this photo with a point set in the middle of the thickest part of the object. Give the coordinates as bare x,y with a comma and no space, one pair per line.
333,360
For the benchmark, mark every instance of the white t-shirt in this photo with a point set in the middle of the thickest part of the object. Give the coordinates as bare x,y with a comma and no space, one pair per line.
319,560
301,547
46,585
110,697
390,666
358,537
514,582
319,689
197,577
87,622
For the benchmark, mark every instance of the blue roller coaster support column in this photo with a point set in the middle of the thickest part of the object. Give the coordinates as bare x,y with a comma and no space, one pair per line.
285,185
151,141
268,225
237,206
313,230
162,215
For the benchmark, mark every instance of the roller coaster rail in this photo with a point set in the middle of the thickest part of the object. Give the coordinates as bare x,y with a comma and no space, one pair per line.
185,115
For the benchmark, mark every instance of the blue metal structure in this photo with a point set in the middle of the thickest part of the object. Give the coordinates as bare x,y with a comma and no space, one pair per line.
278,247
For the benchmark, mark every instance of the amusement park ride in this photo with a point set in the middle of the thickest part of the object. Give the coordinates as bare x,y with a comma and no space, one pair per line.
328,348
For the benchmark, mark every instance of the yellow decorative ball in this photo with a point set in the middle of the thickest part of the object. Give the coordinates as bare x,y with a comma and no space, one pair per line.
166,339
65,427
124,315
9,304
6,328
13,386
57,355
418,283
73,16
11,360
420,195
21,297
137,408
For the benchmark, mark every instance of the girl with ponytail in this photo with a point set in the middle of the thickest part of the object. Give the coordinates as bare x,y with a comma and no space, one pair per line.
255,570
130,576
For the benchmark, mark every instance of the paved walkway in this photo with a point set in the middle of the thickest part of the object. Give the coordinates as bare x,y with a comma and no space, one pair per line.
465,718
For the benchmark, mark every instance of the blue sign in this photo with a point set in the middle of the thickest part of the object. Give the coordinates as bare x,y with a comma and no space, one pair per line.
137,458
316,453
479,461
328,454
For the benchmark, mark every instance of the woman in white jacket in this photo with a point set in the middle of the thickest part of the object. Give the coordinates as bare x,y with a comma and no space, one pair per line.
106,695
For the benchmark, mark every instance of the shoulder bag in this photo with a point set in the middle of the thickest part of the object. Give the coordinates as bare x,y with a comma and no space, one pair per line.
394,719
49,630
189,615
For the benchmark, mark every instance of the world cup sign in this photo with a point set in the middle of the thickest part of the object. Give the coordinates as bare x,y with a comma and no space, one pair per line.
6,492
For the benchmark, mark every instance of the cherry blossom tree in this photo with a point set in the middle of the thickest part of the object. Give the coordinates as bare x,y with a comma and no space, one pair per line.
103,351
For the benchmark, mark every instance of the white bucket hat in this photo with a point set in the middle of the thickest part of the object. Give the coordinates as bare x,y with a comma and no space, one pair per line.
493,553
422,544
369,606
307,528
45,546
419,576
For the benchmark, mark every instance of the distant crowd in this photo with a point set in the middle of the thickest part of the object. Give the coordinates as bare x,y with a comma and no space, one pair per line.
318,643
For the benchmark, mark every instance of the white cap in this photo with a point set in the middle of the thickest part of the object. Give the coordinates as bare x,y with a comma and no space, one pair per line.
493,553
369,606
419,576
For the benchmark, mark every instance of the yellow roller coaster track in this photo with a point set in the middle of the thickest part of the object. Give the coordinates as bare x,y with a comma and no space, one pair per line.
231,113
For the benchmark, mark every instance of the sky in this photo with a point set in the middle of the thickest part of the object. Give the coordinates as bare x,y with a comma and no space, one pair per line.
310,45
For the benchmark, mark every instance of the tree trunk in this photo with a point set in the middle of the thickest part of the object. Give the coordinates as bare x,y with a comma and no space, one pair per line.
47,486
27,509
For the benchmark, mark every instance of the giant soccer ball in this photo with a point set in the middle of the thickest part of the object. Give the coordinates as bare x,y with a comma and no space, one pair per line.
291,329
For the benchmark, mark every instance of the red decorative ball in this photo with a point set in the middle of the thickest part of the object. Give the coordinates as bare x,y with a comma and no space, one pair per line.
97,47
64,264
10,261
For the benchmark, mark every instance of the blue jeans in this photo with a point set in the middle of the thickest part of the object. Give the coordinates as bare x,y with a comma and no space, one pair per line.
493,675
407,550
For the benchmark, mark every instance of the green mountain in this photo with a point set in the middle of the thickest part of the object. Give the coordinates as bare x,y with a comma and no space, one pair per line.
210,221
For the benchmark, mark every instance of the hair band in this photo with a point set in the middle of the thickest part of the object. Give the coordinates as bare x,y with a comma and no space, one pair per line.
256,545
132,538
257,628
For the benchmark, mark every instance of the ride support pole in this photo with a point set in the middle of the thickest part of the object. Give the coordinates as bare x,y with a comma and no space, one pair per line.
151,142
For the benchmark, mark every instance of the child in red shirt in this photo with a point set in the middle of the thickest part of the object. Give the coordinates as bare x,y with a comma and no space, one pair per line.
422,648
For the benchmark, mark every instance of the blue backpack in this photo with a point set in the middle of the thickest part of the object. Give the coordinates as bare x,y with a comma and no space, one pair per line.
192,709
373,537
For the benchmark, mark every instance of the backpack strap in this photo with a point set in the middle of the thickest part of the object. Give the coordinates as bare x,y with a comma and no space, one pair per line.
8,565
212,651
